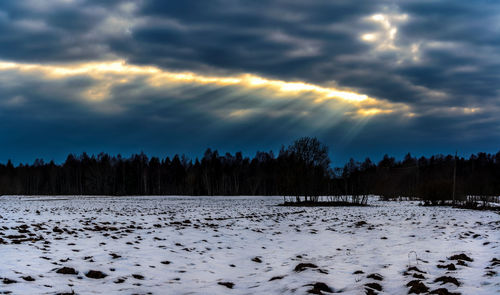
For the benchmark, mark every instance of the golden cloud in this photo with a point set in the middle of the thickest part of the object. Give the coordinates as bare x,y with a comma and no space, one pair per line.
112,73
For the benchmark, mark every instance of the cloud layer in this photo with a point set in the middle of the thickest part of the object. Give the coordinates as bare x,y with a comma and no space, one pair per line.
179,76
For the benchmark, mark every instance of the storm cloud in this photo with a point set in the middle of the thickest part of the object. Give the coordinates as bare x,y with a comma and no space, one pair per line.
430,71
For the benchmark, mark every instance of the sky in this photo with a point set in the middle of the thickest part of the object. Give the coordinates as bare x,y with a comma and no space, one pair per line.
367,78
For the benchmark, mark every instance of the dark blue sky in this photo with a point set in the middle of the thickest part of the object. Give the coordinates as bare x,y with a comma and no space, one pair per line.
163,77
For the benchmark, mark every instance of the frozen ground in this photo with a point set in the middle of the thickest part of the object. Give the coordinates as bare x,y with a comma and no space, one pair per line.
242,245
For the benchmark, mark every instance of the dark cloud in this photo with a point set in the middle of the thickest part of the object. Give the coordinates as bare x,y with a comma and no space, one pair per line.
474,22
286,39
55,31
443,63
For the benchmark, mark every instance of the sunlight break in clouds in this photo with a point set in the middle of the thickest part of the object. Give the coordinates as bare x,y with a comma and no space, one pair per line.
112,73
385,39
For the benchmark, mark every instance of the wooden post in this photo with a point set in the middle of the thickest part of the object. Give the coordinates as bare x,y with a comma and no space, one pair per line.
454,176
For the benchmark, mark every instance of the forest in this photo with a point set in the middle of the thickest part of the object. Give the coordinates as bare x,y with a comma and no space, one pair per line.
301,169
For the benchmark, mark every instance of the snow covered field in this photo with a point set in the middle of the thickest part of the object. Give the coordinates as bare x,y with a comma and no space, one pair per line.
242,245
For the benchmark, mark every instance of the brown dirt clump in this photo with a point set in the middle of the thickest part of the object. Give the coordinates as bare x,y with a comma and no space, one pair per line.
319,287
8,281
376,276
67,271
95,274
28,278
447,279
303,266
443,291
257,259
276,278
226,284
418,276
417,287
461,257
450,266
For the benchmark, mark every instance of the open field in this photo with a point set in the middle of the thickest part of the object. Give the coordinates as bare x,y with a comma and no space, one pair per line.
242,245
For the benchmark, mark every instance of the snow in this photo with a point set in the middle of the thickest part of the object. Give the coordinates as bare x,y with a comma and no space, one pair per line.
208,240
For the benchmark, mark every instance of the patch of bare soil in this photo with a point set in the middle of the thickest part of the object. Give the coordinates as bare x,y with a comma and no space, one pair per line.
95,274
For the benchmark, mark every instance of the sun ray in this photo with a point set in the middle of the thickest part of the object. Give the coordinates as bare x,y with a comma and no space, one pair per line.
110,73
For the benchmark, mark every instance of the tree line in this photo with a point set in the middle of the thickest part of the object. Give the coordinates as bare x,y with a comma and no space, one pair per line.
437,178
301,169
